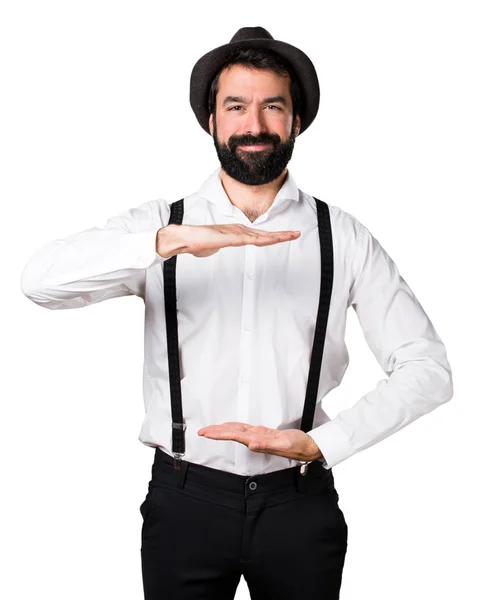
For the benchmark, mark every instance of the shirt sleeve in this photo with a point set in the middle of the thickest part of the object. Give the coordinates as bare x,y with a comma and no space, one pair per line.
99,263
406,345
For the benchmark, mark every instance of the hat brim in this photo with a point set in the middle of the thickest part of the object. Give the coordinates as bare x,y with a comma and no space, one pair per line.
208,65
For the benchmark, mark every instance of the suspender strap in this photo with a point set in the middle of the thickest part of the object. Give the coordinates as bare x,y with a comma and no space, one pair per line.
326,286
327,271
169,276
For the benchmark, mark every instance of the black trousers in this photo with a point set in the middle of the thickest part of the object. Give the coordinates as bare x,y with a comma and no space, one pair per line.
203,528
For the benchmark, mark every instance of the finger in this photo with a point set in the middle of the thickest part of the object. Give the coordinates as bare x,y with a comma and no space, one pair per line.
238,424
250,230
275,237
238,228
261,233
264,233
230,434
227,431
234,432
264,239
230,425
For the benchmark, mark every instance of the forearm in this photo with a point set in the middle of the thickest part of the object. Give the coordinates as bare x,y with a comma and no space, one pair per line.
94,265
410,392
407,347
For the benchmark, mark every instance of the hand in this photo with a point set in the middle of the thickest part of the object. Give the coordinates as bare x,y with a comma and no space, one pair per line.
290,443
205,240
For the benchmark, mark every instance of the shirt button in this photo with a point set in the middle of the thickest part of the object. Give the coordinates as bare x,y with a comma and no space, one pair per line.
253,485
250,275
247,328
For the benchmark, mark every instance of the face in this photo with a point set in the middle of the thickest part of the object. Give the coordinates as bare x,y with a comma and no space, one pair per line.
253,127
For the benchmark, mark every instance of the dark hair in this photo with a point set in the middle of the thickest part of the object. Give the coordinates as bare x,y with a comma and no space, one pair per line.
258,58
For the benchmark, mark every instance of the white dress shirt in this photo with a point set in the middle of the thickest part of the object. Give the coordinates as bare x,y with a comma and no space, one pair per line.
246,321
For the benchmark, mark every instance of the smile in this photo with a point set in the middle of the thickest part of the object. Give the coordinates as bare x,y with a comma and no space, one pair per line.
255,148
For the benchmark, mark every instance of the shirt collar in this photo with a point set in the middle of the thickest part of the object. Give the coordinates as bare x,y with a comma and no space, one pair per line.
213,191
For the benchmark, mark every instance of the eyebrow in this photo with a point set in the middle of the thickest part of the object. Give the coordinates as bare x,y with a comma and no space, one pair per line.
280,99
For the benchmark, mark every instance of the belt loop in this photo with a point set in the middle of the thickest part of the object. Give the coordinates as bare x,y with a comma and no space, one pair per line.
180,482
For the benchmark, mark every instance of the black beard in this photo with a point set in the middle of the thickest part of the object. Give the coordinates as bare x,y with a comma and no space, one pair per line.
256,167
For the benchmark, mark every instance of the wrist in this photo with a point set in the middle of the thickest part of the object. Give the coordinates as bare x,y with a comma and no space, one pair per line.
168,242
315,452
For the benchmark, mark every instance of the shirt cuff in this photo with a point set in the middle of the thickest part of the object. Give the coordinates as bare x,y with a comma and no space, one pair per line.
143,244
332,442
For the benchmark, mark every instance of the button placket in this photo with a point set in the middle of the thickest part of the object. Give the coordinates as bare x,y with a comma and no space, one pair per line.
246,324
246,353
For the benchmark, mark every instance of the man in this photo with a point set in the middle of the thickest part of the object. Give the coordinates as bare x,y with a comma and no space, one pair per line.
242,478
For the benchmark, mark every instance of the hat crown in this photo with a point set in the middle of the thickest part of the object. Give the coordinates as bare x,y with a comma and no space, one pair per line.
251,33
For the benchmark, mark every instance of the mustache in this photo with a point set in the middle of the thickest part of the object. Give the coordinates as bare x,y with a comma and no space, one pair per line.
252,140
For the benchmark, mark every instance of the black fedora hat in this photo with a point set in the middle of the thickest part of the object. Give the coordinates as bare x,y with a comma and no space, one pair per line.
208,65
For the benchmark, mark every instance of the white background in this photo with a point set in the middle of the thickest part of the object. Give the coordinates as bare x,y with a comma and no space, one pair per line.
95,119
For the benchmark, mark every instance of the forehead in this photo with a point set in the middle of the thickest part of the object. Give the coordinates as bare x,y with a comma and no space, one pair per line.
239,80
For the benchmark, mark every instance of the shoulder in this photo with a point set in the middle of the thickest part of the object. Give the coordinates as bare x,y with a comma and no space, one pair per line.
344,225
153,213
158,211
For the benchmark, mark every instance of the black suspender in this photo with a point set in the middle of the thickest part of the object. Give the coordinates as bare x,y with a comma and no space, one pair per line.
169,275
327,272
326,286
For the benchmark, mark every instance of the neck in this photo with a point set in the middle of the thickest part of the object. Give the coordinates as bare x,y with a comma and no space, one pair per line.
252,200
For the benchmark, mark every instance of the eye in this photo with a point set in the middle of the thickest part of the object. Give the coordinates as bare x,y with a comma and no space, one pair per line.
273,106
234,107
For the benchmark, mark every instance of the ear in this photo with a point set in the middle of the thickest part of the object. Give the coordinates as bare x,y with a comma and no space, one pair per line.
297,126
210,123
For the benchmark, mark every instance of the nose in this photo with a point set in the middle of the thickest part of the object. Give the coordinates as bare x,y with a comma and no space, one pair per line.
254,122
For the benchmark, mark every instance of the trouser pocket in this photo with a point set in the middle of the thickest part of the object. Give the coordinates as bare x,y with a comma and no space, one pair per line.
145,505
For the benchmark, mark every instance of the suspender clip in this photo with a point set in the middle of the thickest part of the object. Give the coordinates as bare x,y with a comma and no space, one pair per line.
177,457
304,467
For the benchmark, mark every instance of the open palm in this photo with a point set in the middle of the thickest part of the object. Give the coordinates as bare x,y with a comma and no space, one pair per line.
290,443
